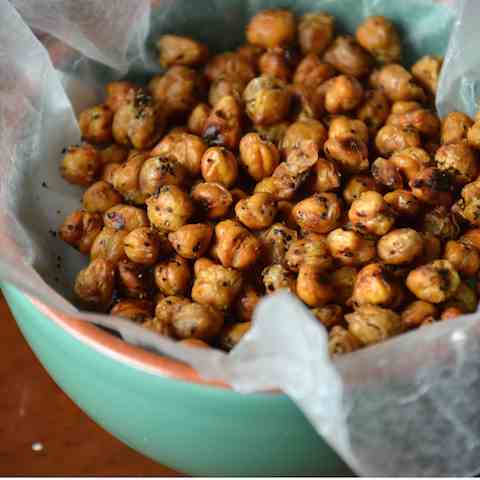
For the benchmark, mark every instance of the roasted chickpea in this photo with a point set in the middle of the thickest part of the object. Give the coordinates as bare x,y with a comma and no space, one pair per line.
304,131
342,126
418,313
372,324
279,63
427,72
349,152
311,250
256,212
202,263
315,32
232,334
374,285
451,312
217,286
167,308
259,157
343,281
136,310
325,176
173,276
107,172
230,65
272,28
191,241
125,217
374,110
356,185
313,287
108,245
312,72
379,36
350,248
410,161
100,197
424,121
307,103
465,298
250,53
400,246
397,82
219,165
138,122
455,127
214,199
468,206
126,178
460,160
113,154
267,100
386,173
246,303
341,341
347,56
133,280
391,139
473,135
143,246
118,94
319,213
96,124
342,94
435,282
225,87
272,133
371,214
80,165
276,277
157,172
177,50
94,284
464,258
80,229
441,223
198,118
328,315
193,320
224,125
471,237
432,186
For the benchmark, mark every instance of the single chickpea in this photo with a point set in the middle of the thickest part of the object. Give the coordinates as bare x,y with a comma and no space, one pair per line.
304,131
386,173
342,126
165,310
307,103
230,65
136,310
213,198
397,82
125,217
217,286
400,246
315,32
435,282
468,207
107,172
342,94
100,197
117,94
347,56
459,159
80,229
341,341
267,100
424,121
232,334
202,263
142,245
374,110
442,223
374,286
257,212
391,139
198,118
133,280
177,50
432,186
310,250
328,315
126,178
193,320
473,136
350,248
343,281
356,185
276,277
279,63
312,72
325,177
455,127
418,313
259,157
313,287
173,276
219,165
410,161
272,28
372,324
108,245
80,165
246,303
226,87
371,214
427,72
319,213
191,241
350,153
157,172
94,284
464,258
250,53
451,312
96,124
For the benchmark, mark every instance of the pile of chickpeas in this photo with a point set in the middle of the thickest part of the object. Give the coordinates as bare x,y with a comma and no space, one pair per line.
302,161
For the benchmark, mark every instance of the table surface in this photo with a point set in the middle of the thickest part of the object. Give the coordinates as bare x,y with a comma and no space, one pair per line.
42,432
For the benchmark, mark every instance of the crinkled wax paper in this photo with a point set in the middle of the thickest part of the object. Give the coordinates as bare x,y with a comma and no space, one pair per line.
406,407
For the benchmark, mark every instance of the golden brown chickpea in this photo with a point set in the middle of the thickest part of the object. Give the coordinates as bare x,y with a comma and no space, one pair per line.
170,208
80,229
315,32
374,110
259,157
100,197
224,125
313,287
279,63
341,341
232,334
276,241
133,281
347,56
401,107
386,173
325,176
472,237
372,324
118,93
249,52
312,72
424,121
418,313
356,185
94,284
455,127
193,320
246,303
374,286
379,36
319,213
225,87
304,131
350,153
173,276
108,245
257,212
464,258
198,118
108,171
143,246
202,264
342,94
473,135
125,217
328,315
371,214
427,72
113,154
460,160
96,124
432,186
139,122
391,139
80,165
451,312
400,246
214,199
272,28
230,65
191,241
342,126
126,178
300,160
397,82
311,250
177,50
350,248
267,100
165,311
276,277
410,161
465,298
217,286
219,165
137,311
343,280
471,191
434,282
157,172
440,222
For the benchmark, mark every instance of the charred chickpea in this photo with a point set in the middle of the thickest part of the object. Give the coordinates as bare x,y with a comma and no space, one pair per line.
143,246
374,286
267,100
311,250
198,118
391,139
418,313
276,241
232,334
173,276
80,165
177,50
313,287
94,284
230,65
219,165
136,310
315,32
401,107
191,241
386,173
325,176
427,72
442,223
424,121
96,124
343,281
80,229
279,63
400,246
341,341
259,157
157,172
347,56
451,312
125,217
246,303
100,197
193,320
342,94
349,152
328,315
410,161
117,94
304,131
272,28
464,258
126,178
356,185
214,199
350,248
432,186
225,87
455,127
256,212
372,324
319,213
277,277
397,82
133,281
460,160
108,245
374,110
371,214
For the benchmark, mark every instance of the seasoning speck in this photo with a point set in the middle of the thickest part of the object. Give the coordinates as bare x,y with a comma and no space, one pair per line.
44,185
37,447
